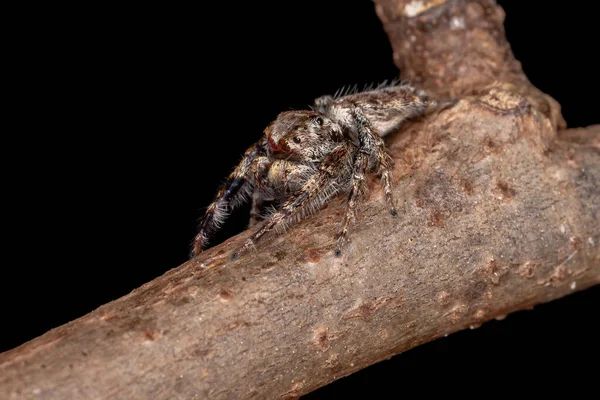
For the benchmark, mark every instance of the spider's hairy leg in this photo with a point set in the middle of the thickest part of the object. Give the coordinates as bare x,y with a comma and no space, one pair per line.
311,197
359,184
233,192
257,203
383,161
371,151
375,146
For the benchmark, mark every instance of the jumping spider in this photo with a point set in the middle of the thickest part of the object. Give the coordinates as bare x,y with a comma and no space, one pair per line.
307,157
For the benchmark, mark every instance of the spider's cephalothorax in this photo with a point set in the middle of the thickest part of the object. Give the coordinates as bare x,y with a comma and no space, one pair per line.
307,157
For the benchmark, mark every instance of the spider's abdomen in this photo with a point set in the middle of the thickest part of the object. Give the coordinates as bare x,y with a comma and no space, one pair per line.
385,108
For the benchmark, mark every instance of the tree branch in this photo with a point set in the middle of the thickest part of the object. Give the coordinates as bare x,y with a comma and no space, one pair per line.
497,213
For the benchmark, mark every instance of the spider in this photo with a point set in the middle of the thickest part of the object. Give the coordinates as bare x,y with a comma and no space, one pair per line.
308,157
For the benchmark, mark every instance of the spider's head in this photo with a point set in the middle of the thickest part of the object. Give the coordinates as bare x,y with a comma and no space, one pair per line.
302,136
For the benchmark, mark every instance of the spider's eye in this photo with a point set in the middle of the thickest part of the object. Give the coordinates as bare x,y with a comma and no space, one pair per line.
296,139
319,121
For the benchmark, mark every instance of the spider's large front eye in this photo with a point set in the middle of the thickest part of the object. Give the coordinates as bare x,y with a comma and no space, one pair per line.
319,121
296,139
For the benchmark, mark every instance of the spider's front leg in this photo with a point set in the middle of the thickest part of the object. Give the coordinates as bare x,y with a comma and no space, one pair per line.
235,191
371,151
316,191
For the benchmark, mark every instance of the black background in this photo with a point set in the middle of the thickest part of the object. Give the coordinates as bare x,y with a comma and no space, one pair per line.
130,118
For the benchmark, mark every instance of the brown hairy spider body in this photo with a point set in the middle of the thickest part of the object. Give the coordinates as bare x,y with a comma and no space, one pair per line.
308,157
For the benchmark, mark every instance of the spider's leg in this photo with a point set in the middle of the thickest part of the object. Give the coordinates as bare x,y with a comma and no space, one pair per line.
374,146
233,192
385,172
262,191
359,184
257,203
371,147
311,197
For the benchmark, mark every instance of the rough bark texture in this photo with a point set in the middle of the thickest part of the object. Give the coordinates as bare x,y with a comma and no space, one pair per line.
498,211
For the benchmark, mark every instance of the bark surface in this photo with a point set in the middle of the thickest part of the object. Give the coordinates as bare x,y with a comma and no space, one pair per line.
499,210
